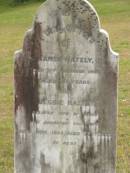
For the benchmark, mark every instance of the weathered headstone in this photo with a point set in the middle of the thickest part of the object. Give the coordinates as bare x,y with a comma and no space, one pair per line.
65,93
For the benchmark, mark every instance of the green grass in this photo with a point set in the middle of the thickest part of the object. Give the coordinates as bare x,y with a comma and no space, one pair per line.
14,21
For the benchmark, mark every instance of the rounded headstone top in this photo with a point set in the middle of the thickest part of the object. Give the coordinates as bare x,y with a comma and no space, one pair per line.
78,10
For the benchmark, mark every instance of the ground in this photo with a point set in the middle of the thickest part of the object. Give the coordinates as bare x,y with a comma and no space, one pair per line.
14,21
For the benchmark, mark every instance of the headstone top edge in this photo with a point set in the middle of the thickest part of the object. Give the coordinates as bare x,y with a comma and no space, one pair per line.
56,3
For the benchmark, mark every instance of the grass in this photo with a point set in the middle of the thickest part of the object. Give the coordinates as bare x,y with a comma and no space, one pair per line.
14,21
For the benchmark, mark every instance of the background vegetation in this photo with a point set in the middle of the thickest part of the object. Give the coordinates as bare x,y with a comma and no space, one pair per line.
14,21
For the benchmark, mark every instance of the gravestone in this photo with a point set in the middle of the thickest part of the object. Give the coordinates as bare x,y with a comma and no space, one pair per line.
65,93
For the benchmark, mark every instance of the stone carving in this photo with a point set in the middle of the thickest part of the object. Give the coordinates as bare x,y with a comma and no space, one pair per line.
65,93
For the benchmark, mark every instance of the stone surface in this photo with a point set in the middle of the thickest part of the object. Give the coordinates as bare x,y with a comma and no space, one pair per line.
65,93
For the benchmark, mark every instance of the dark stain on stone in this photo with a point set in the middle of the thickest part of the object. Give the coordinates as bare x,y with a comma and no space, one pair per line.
87,153
26,74
36,56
